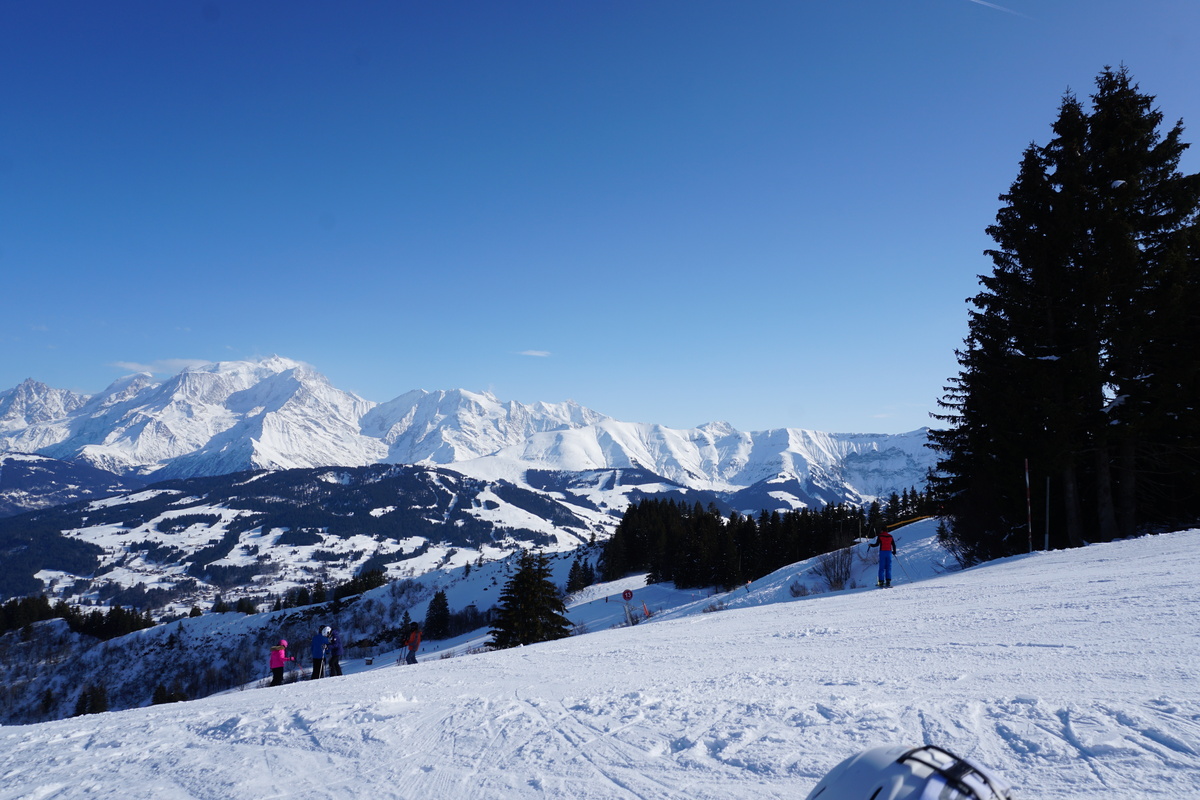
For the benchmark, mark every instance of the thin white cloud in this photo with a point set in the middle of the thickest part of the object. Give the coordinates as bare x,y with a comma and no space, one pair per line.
999,8
535,353
162,366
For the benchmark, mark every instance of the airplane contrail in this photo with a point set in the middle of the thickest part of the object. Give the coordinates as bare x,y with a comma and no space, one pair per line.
999,8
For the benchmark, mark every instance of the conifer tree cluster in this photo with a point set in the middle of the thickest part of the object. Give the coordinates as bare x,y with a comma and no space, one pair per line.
117,621
692,546
581,575
1083,348
530,608
93,699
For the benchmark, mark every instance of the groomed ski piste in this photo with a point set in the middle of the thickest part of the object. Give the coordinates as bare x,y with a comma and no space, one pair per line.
1071,674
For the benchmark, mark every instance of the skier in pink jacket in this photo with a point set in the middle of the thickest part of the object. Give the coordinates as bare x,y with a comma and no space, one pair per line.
279,659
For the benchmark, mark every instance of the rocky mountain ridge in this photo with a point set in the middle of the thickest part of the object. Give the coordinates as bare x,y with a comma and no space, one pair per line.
276,413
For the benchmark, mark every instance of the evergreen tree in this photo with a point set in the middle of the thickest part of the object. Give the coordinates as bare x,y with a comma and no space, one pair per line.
874,516
581,575
530,609
93,699
437,617
245,605
163,695
892,512
574,577
1074,350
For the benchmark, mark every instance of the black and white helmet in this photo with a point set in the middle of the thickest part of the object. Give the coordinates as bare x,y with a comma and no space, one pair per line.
905,773
325,631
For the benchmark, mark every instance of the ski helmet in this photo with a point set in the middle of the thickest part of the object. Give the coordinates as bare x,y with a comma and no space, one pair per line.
903,773
283,642
325,631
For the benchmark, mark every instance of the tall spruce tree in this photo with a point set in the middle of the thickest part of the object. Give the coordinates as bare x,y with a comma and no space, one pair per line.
437,617
530,609
575,576
1073,355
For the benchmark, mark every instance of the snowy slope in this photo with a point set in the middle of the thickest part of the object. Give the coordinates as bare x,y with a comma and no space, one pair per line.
1072,674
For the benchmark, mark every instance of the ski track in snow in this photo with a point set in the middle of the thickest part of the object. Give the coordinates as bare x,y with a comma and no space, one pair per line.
1066,680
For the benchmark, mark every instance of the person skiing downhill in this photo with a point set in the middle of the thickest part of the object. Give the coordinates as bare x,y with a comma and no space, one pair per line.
887,549
318,651
279,659
412,642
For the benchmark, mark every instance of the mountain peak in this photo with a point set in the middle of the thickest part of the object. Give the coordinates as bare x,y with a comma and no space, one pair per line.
32,402
277,413
718,428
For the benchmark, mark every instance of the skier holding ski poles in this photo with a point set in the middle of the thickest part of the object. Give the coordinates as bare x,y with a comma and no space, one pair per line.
319,642
887,549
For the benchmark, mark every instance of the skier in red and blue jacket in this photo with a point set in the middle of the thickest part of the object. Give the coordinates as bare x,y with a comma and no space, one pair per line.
887,549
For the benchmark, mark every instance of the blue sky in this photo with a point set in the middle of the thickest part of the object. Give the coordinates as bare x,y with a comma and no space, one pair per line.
768,213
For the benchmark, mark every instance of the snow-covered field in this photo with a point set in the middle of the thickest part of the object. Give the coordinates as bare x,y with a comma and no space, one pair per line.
1071,674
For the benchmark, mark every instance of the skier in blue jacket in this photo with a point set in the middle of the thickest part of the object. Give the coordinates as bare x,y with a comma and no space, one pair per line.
319,643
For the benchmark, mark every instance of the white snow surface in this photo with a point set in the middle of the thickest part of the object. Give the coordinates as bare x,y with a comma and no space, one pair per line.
1071,674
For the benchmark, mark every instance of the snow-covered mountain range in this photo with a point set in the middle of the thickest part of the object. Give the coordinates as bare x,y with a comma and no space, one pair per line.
263,477
276,413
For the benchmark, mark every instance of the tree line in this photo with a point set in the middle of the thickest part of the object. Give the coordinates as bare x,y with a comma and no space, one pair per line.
692,546
1082,358
20,612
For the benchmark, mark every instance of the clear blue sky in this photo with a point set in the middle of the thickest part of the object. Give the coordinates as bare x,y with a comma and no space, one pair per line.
768,213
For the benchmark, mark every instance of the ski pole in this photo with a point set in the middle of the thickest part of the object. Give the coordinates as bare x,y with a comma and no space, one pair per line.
901,563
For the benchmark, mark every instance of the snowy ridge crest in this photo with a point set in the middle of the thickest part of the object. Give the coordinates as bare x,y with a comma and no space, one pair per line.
276,413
